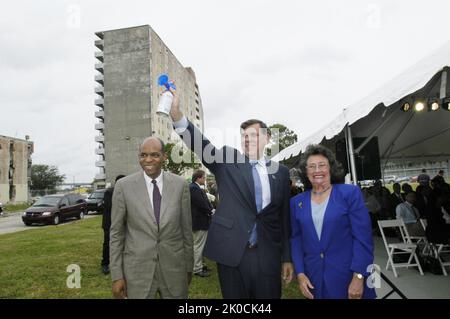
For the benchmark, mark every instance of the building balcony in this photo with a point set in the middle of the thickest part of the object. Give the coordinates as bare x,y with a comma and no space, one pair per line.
100,151
99,44
99,56
100,138
99,79
100,126
99,90
99,34
100,163
99,102
99,67
100,176
100,114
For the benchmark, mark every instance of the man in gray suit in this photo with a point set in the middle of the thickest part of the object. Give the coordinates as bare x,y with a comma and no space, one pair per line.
249,233
151,230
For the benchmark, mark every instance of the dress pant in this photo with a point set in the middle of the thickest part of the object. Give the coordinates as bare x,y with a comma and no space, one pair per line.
105,259
246,281
199,244
160,287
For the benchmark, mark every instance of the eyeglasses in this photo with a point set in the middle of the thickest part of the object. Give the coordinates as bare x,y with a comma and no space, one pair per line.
154,155
315,167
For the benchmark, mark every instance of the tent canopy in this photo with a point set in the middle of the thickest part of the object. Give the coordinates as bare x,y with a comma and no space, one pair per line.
413,136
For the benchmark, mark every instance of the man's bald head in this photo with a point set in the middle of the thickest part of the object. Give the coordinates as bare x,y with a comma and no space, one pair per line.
152,140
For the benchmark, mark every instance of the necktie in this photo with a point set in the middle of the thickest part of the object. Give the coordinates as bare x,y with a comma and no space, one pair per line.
156,200
415,212
258,200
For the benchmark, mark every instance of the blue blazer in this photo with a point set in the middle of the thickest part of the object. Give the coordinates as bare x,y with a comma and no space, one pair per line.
345,246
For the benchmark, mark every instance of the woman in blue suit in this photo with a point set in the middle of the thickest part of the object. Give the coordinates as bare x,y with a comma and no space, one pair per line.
331,241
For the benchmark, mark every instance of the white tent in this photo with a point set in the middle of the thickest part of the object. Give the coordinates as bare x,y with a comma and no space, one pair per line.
416,136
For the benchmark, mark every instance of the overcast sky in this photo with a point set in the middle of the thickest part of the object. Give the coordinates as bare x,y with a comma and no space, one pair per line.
298,63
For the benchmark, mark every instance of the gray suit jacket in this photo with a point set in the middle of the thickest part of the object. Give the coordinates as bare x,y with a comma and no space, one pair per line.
136,244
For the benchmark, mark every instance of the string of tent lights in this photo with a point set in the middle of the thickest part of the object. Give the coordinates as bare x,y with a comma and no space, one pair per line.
426,104
430,104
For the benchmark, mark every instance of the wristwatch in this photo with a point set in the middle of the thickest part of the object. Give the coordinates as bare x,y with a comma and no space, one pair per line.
358,275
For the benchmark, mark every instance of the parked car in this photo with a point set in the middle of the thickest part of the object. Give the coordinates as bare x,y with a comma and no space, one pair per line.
96,201
52,209
1,209
389,179
402,179
367,183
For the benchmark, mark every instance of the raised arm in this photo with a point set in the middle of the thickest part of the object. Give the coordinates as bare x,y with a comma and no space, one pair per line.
194,139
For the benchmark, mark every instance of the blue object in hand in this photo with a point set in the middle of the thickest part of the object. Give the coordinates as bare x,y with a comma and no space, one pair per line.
163,80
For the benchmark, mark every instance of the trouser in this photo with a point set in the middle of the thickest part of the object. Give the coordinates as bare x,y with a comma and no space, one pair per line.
199,244
246,281
159,286
105,259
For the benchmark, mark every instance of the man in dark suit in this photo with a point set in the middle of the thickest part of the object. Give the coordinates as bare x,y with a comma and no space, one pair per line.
396,198
249,233
106,225
201,210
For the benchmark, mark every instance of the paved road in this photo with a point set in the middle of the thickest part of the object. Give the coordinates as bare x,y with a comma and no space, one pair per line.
13,223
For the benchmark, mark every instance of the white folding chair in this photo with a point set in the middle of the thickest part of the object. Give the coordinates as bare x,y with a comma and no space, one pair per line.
438,251
421,241
405,247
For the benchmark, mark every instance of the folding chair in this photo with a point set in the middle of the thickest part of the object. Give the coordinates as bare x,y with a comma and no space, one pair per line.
422,241
438,251
399,248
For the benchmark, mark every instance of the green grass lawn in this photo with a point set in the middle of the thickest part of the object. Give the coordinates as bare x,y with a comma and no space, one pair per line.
33,264
16,207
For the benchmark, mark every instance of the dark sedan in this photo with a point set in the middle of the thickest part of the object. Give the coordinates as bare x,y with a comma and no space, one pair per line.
51,209
96,201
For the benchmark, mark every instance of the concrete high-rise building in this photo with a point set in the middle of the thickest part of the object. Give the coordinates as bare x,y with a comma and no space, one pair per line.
129,63
15,169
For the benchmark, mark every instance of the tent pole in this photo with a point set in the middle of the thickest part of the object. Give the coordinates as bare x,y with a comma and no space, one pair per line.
352,154
443,90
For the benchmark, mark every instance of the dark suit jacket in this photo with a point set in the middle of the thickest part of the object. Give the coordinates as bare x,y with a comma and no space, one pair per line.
394,200
107,205
200,208
236,213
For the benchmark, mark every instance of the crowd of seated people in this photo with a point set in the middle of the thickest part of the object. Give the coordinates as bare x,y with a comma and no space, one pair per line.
430,201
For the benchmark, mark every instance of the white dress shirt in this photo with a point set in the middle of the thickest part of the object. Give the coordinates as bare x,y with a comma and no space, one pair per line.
148,182
181,125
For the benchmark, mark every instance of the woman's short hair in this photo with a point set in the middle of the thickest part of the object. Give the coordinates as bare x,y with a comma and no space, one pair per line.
336,171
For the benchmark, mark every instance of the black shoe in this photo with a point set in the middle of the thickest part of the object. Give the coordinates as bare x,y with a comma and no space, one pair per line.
202,274
105,269
205,268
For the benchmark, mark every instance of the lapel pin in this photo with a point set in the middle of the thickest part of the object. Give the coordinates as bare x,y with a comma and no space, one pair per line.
300,205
